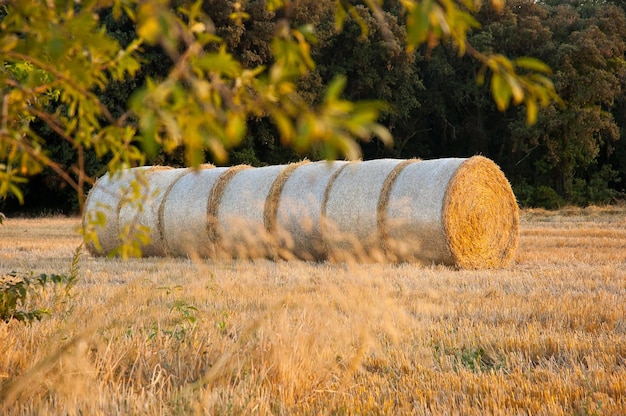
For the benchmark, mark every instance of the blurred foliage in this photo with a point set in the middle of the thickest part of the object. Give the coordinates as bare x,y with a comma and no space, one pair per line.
95,86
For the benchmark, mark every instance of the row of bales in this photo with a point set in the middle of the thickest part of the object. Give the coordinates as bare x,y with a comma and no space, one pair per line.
455,211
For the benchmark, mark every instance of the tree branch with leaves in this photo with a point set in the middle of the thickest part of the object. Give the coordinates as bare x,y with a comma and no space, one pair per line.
57,56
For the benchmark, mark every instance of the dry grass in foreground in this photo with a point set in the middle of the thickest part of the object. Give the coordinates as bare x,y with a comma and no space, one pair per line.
169,336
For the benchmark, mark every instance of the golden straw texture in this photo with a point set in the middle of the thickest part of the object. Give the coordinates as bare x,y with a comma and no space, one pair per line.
480,216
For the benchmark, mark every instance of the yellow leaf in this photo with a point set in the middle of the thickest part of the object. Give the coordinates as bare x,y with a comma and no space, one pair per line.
516,89
532,64
198,27
235,130
149,30
531,110
497,4
500,91
273,5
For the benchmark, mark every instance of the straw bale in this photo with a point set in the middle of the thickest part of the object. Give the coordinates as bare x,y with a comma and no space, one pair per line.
241,223
460,212
480,216
184,217
106,198
299,210
454,211
145,213
351,211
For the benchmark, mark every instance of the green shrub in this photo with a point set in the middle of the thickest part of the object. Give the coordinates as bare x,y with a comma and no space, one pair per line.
596,190
16,289
546,197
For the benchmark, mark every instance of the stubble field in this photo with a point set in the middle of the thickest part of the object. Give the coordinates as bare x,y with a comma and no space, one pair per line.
161,336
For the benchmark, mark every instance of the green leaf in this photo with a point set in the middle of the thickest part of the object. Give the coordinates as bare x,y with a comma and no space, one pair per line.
273,5
336,87
235,129
501,92
285,127
532,64
221,63
531,110
418,28
340,15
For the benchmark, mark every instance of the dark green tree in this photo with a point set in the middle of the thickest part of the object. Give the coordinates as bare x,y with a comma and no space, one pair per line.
569,145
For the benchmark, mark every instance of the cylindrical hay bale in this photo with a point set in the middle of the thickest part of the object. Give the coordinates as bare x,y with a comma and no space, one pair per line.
143,215
184,213
106,199
241,223
299,210
459,212
351,218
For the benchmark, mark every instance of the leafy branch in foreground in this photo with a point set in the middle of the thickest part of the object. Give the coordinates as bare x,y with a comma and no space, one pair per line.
58,58
523,80
16,288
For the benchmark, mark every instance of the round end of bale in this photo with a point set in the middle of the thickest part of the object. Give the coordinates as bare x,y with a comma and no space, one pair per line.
480,216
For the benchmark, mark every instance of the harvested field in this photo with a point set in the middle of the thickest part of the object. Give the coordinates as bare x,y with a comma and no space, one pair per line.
544,336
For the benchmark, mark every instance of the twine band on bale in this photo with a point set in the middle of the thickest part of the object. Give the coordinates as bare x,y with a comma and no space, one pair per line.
480,217
141,176
145,219
212,209
351,211
270,207
383,202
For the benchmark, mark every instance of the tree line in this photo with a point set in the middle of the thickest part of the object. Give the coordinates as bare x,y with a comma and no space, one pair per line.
439,102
